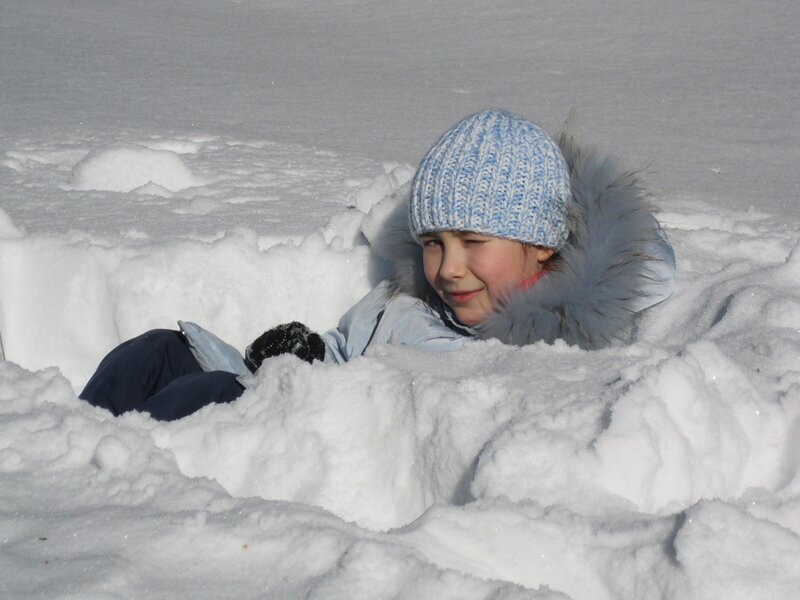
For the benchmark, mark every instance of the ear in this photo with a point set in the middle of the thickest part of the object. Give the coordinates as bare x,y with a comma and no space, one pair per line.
542,254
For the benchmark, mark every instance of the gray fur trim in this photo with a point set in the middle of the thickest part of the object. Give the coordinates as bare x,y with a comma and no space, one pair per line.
390,239
589,298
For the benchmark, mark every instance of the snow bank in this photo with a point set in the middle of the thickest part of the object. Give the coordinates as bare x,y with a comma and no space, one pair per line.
105,497
128,167
68,300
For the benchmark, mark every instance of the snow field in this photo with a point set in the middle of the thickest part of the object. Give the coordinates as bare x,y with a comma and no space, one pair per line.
156,187
666,468
663,469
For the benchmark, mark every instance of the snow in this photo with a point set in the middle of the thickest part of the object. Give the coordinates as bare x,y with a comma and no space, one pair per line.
215,162
132,168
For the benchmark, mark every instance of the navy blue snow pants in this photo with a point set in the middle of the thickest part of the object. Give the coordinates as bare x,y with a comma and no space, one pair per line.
157,373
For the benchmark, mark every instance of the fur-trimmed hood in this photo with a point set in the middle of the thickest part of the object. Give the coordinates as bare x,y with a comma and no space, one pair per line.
616,262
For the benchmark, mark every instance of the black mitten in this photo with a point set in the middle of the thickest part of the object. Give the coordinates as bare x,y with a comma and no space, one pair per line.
289,338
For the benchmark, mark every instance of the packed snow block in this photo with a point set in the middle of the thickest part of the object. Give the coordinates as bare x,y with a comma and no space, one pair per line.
7,230
56,305
689,428
125,168
340,437
751,557
383,186
7,227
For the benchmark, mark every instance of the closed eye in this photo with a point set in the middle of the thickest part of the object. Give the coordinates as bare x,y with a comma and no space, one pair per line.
475,241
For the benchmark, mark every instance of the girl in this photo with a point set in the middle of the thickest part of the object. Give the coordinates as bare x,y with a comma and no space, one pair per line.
507,234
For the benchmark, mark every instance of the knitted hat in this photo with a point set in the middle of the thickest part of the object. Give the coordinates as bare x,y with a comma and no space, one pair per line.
496,174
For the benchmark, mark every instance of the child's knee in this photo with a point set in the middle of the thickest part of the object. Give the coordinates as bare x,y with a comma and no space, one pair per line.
161,337
158,344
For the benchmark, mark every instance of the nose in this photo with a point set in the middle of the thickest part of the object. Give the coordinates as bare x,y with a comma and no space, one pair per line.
454,264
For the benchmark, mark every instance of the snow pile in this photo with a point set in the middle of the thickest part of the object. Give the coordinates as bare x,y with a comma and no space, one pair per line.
633,471
133,167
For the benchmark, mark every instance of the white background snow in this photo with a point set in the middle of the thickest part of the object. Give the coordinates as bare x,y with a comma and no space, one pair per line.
213,161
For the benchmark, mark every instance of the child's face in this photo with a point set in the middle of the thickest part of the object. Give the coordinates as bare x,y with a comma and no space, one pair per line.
473,273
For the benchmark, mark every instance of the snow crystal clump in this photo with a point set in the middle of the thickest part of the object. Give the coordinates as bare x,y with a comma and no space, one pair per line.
127,167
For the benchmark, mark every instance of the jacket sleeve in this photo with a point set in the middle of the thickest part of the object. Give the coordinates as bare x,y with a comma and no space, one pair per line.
383,317
211,353
356,327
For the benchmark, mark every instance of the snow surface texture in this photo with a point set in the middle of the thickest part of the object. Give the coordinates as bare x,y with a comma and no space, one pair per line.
663,469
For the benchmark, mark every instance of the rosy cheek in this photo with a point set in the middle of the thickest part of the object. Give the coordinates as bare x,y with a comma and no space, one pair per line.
503,282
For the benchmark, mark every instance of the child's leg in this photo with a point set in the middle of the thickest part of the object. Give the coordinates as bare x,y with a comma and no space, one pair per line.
190,393
138,369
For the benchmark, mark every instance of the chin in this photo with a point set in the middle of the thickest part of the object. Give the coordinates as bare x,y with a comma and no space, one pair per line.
469,318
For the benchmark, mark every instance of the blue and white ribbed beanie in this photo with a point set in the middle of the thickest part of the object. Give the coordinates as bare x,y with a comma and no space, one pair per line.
496,174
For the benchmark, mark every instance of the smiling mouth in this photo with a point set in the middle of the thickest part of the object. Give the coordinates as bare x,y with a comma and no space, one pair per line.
463,297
